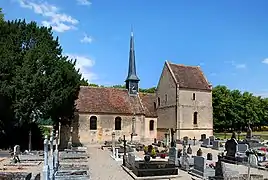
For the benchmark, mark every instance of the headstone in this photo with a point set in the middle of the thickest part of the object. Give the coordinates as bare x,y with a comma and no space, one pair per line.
209,156
189,150
249,132
16,154
46,167
212,138
253,160
242,148
184,160
216,145
203,136
173,155
199,152
206,143
116,154
113,139
155,141
131,159
185,140
199,163
230,147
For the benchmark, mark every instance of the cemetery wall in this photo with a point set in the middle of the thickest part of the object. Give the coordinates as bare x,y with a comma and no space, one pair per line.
202,104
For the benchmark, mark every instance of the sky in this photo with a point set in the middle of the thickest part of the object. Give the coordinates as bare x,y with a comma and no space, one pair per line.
227,38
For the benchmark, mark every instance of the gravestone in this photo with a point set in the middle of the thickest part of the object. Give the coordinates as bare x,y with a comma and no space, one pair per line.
184,160
203,136
211,138
206,143
131,159
216,145
46,166
173,156
189,150
185,140
209,156
194,140
253,160
249,132
230,147
16,154
199,152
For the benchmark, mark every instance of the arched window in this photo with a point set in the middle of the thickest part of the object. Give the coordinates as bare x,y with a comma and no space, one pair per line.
117,123
195,118
158,100
93,123
154,106
151,126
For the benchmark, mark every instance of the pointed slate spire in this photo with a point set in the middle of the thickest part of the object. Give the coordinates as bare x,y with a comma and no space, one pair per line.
132,75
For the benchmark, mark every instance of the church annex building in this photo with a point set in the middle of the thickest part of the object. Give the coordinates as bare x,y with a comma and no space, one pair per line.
183,101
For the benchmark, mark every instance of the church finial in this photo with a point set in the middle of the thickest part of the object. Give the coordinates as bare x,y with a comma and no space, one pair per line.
132,78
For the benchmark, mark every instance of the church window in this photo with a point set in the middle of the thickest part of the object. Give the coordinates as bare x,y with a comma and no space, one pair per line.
151,125
193,96
154,106
166,99
158,100
117,123
93,123
195,118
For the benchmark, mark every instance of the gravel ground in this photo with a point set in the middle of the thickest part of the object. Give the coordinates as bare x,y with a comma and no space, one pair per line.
103,167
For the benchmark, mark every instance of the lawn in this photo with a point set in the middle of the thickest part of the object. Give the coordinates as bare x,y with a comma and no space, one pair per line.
262,134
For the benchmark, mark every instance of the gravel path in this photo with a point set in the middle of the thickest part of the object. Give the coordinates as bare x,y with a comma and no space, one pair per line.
103,167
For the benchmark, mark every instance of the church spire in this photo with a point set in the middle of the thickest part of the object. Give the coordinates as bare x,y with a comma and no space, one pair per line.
132,78
132,75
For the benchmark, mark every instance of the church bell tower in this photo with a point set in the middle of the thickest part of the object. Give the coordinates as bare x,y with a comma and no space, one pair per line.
132,81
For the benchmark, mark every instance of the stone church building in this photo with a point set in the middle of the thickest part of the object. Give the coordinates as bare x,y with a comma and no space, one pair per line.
183,101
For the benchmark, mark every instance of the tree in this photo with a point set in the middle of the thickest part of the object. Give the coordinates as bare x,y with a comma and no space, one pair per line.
37,81
1,15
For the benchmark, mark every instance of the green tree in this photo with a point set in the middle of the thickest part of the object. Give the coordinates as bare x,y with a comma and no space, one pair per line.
1,15
38,80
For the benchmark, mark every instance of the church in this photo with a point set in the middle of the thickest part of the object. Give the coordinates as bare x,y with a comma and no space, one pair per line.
183,101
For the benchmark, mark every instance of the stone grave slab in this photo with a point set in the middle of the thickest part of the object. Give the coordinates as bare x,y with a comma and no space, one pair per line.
73,156
73,167
15,176
72,175
31,158
25,163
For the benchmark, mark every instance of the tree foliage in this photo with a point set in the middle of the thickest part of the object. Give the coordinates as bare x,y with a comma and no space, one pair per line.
234,110
36,80
1,15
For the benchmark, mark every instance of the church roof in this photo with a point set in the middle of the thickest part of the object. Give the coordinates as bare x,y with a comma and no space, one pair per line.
190,77
113,101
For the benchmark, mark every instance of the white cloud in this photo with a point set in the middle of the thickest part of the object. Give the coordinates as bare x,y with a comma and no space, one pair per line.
86,39
84,64
240,66
237,66
59,22
84,2
265,61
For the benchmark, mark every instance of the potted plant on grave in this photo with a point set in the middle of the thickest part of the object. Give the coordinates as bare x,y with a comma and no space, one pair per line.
145,149
163,155
153,153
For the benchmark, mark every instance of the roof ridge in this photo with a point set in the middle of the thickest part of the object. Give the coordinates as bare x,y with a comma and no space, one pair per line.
123,89
184,65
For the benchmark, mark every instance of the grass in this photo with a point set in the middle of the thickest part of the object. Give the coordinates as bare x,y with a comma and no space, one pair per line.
262,134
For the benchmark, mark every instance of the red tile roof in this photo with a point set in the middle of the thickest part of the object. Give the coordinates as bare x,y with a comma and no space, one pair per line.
190,77
149,103
113,100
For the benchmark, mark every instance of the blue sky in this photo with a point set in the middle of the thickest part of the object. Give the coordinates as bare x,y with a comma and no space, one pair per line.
227,38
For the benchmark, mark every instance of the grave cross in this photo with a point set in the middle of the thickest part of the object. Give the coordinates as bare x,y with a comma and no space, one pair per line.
124,156
172,137
194,140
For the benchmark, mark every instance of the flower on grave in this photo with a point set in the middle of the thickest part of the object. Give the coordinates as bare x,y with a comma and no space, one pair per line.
153,153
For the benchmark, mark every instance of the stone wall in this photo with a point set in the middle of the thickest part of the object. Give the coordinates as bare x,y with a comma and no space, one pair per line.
106,125
202,104
166,107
